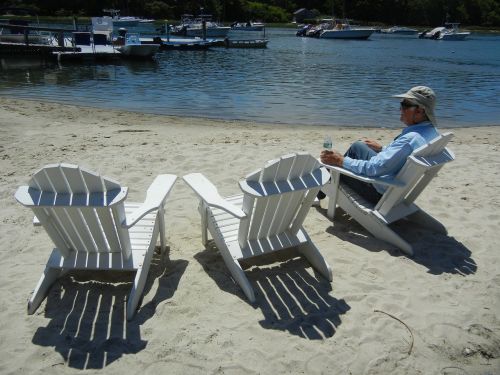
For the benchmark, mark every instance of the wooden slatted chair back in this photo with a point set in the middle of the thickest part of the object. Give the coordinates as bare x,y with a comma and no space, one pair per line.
418,171
80,210
278,196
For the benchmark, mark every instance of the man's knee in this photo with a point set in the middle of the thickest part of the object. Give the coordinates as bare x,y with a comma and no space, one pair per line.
358,150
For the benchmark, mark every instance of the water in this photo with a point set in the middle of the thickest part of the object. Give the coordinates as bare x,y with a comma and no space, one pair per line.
295,80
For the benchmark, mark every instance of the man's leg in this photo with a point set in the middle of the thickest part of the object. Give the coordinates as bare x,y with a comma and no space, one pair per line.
360,150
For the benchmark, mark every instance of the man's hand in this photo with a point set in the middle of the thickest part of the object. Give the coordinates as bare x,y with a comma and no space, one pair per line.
332,158
374,145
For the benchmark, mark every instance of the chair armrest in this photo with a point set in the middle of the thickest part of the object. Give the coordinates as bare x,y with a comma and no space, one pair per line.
155,197
372,180
208,193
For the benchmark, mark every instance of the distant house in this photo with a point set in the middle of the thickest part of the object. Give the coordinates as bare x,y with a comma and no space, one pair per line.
302,14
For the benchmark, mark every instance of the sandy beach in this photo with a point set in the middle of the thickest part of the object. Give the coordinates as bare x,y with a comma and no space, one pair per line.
384,313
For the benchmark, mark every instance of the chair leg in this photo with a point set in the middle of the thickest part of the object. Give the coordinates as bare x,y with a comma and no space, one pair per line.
331,189
238,274
382,231
373,225
48,278
161,224
312,254
204,229
140,278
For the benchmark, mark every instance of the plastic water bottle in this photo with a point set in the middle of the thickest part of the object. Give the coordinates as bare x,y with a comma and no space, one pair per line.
327,143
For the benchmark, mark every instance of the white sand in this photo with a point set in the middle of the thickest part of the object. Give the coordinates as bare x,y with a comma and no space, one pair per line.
194,319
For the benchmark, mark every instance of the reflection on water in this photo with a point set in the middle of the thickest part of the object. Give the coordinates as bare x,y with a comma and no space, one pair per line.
294,80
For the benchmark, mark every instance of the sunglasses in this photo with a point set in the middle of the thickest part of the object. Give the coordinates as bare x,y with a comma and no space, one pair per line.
405,105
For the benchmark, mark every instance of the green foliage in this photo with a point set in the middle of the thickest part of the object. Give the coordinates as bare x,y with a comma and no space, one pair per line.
158,9
427,13
267,13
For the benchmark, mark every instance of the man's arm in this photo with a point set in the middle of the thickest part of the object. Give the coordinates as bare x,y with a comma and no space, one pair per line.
387,162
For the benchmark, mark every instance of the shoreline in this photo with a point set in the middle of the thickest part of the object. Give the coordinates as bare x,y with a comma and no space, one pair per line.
17,100
193,318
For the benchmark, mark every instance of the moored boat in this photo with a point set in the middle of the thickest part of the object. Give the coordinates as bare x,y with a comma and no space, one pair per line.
120,21
18,31
449,31
247,26
134,48
399,30
341,29
199,27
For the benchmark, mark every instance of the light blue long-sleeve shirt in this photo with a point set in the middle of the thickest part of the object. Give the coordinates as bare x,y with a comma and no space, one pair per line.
391,159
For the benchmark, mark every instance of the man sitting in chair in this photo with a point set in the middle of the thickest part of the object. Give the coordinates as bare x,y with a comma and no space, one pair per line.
371,159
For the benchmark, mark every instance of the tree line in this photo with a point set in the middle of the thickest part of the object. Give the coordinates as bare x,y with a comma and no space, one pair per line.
391,12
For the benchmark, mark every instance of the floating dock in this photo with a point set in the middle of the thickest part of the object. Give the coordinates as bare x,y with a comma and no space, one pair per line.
101,53
180,43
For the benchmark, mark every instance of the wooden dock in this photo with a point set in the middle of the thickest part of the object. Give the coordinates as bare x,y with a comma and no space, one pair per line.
90,53
245,43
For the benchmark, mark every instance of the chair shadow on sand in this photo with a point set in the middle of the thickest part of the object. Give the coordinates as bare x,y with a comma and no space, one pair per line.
88,325
433,248
291,299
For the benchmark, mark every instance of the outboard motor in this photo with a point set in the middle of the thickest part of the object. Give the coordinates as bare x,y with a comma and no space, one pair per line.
122,32
302,31
120,40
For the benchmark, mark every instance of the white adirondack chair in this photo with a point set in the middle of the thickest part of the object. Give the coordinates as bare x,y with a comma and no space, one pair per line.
397,201
92,227
267,217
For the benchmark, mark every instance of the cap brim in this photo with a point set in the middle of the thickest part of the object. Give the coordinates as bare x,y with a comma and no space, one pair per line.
403,96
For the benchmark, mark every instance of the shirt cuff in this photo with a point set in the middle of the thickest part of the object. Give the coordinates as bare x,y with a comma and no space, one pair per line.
347,164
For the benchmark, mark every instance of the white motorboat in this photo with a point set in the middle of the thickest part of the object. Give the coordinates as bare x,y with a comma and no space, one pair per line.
120,21
134,48
449,31
341,29
247,26
399,30
193,27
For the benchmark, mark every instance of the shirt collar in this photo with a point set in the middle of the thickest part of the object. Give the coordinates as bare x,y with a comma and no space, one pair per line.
416,127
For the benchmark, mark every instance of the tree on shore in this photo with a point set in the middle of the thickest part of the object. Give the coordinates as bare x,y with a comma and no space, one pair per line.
401,12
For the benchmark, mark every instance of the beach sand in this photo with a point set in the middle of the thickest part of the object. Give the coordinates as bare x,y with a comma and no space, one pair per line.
384,313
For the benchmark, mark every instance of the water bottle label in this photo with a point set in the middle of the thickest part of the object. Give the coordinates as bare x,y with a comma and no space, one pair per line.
327,143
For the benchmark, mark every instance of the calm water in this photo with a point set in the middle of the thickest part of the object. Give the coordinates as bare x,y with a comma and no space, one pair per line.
295,80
